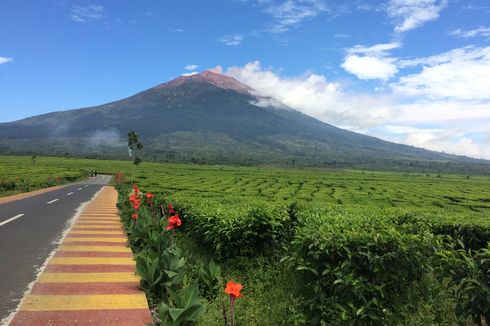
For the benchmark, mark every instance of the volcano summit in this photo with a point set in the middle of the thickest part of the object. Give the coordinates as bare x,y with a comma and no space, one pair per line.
209,118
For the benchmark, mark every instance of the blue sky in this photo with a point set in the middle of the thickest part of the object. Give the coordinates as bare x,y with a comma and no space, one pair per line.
411,71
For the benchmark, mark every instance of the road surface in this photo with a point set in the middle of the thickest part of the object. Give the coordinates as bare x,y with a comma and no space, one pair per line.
29,231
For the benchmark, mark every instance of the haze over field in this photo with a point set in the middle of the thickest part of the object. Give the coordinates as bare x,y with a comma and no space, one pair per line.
409,71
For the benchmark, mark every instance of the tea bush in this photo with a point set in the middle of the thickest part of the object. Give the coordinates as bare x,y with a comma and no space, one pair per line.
472,236
360,266
241,229
468,273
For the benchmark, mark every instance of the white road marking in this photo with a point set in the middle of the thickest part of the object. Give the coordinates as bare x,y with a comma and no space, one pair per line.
79,188
70,193
11,219
52,201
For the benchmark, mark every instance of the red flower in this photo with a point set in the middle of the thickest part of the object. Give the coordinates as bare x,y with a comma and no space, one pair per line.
233,289
135,188
136,204
134,217
171,209
149,195
173,222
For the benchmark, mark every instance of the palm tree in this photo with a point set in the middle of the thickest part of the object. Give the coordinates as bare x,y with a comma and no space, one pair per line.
134,144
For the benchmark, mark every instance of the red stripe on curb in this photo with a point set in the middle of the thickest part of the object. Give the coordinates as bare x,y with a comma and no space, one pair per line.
89,268
119,317
89,253
85,288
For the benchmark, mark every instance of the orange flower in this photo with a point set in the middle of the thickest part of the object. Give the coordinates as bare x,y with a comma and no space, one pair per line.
173,222
233,289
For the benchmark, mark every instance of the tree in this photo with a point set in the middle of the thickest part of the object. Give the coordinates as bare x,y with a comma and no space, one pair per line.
134,145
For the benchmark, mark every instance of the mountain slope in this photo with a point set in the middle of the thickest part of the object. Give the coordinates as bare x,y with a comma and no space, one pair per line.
207,118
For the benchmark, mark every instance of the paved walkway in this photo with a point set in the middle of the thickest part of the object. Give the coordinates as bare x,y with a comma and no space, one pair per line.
90,280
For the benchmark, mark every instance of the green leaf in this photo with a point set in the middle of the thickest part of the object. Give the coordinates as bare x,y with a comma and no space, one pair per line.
175,313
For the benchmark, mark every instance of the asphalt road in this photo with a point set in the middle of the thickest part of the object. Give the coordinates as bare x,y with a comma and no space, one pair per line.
29,231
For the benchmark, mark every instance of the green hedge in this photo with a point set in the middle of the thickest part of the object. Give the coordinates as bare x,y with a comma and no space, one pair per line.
236,228
472,236
360,267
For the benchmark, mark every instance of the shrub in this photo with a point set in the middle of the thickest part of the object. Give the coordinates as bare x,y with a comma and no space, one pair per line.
359,267
472,236
240,229
469,282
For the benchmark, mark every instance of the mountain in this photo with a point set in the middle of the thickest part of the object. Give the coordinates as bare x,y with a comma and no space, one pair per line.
212,118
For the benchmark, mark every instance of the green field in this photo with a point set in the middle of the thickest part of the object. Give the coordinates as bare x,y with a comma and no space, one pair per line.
310,246
454,197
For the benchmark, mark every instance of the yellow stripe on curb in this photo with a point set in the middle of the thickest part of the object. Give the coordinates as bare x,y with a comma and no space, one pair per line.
90,261
94,248
101,277
94,239
97,226
100,220
96,232
90,222
84,302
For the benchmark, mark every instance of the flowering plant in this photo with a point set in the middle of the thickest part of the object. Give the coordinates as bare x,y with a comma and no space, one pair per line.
233,289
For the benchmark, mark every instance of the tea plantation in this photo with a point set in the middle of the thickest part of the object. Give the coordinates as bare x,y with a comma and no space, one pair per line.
310,246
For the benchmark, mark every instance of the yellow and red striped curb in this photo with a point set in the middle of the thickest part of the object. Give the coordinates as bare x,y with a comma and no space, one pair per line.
91,278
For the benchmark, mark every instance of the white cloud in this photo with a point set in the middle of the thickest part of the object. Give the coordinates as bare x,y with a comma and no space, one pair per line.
231,40
192,73
410,14
376,50
292,12
5,60
314,95
191,67
461,74
176,30
365,67
454,141
373,64
480,31
388,115
86,14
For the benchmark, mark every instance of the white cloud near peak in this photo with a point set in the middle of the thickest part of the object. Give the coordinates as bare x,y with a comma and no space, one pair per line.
5,60
191,67
313,95
187,74
411,14
86,14
388,115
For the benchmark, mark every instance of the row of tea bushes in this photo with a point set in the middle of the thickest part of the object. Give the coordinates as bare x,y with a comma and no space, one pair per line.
239,228
358,265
